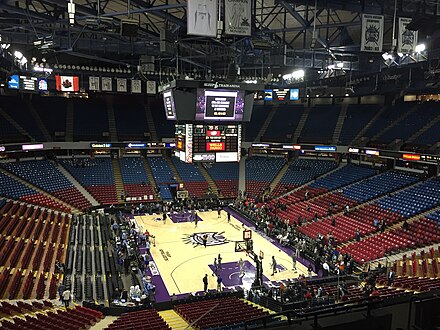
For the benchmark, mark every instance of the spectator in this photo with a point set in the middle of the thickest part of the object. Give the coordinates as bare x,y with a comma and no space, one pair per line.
391,276
219,283
358,235
66,297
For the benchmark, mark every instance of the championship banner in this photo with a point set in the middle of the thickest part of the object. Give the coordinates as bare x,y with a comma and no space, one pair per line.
106,83
94,83
238,17
407,40
136,86
372,33
67,83
151,87
121,85
202,17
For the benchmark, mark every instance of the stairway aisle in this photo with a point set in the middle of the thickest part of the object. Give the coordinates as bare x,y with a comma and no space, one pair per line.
266,123
150,175
301,123
38,120
78,186
423,129
340,123
174,170
69,121
17,126
209,180
118,179
150,121
111,120
242,174
174,320
280,174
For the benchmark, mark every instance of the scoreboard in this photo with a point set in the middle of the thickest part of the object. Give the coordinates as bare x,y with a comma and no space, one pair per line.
208,143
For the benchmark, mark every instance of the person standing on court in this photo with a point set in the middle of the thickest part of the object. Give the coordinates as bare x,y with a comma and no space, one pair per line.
215,267
219,261
205,283
294,261
205,240
219,212
196,219
274,265
229,217
241,267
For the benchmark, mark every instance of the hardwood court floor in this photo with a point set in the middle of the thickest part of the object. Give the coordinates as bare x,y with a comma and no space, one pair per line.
182,264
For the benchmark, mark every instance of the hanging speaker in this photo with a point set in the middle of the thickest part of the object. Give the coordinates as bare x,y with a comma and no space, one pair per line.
129,28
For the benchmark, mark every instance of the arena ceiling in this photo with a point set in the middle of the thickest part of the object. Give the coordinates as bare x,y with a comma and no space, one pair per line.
287,34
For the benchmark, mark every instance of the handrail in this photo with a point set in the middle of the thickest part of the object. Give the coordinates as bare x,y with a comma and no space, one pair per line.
202,316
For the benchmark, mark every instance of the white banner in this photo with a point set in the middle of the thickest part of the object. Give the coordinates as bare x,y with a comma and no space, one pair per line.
238,17
151,87
407,40
372,33
106,83
202,17
121,85
136,86
94,83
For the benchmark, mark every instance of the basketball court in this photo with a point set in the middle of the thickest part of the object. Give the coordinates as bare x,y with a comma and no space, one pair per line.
181,259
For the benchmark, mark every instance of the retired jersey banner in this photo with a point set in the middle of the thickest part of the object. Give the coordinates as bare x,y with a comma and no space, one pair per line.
106,84
372,33
136,86
202,17
67,83
94,83
121,85
238,17
407,39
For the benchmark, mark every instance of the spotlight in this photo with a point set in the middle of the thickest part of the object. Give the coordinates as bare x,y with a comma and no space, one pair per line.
340,65
420,48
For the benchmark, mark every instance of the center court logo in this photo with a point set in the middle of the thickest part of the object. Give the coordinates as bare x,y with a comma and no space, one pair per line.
213,238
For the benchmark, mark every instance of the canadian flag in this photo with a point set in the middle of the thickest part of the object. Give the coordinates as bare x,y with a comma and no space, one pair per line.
67,83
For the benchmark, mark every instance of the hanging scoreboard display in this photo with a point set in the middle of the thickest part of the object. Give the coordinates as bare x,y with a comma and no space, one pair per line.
209,143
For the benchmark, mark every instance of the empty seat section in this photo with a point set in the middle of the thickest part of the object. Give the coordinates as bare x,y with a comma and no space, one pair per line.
430,136
260,172
378,185
164,127
45,175
52,111
320,124
131,121
11,188
283,124
413,200
20,112
357,117
90,121
96,175
259,116
302,171
134,177
162,175
389,116
422,115
225,176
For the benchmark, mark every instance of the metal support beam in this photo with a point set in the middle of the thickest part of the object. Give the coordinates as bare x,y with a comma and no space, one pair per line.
301,20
